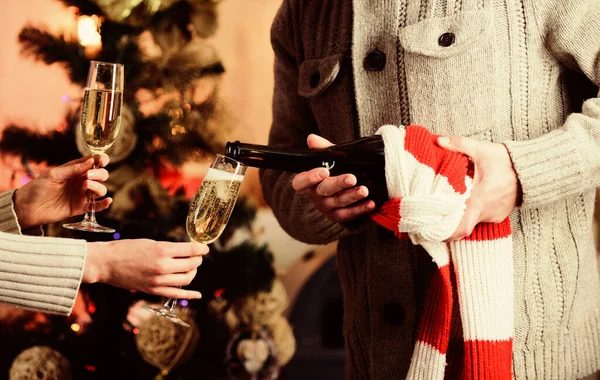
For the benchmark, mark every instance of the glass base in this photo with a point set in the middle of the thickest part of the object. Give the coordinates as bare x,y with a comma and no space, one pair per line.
167,314
88,227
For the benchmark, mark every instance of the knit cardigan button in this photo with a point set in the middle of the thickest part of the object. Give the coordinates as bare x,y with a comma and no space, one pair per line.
375,61
446,39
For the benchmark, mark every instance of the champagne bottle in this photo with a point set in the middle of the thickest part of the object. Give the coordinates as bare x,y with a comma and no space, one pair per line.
363,157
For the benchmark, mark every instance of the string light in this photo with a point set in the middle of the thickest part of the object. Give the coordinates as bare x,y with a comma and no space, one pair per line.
183,303
75,327
88,33
117,235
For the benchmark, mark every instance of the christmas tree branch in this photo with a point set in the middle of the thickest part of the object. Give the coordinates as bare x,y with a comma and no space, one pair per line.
55,148
50,49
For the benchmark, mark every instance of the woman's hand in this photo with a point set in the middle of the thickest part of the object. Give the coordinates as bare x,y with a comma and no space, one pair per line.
61,192
145,265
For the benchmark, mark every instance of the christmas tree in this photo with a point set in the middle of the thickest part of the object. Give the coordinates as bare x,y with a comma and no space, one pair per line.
171,116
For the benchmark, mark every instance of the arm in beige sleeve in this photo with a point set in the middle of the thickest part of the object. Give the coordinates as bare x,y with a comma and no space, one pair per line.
292,123
565,161
37,273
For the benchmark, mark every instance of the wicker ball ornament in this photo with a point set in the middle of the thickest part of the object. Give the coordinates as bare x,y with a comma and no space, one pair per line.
263,308
166,345
40,363
251,355
283,339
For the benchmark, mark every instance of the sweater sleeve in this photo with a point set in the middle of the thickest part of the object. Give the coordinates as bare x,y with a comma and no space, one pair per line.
37,273
292,123
565,161
8,217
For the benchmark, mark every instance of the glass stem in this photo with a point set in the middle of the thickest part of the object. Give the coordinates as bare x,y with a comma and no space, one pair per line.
173,304
90,216
169,306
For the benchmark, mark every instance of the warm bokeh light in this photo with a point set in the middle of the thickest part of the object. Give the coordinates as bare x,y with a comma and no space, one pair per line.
88,31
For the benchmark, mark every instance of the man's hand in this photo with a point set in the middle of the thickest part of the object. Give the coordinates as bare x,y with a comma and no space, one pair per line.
61,192
144,265
336,197
495,190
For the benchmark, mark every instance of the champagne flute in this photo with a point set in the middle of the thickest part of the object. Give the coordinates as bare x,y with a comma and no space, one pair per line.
209,213
100,123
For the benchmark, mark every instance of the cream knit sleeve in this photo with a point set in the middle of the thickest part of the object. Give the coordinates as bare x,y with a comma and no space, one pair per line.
565,161
37,273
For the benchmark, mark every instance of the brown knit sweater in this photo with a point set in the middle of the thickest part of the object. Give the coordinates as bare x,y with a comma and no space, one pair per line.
489,69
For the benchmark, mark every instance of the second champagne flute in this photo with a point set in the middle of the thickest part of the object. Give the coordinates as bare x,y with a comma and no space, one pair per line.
100,123
209,213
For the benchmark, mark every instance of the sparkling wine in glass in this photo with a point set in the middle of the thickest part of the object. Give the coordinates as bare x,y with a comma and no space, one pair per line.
209,213
100,123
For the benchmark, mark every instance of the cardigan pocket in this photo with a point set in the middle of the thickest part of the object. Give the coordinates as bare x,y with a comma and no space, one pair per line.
449,68
317,74
327,86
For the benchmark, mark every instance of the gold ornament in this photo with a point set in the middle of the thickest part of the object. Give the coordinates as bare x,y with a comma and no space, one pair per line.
232,321
132,12
283,338
124,199
125,142
164,344
40,363
263,308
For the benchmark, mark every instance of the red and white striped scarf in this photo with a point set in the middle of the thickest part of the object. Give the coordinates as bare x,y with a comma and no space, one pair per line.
428,187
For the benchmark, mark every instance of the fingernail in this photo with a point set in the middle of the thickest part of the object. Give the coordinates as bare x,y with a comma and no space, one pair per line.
444,141
323,173
363,191
349,181
198,295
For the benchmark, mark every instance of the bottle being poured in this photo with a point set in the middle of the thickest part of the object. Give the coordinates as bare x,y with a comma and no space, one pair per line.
363,157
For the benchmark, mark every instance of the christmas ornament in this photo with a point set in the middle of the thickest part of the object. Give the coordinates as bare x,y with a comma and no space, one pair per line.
143,189
164,344
261,312
132,12
178,69
264,307
251,355
283,338
125,142
40,363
